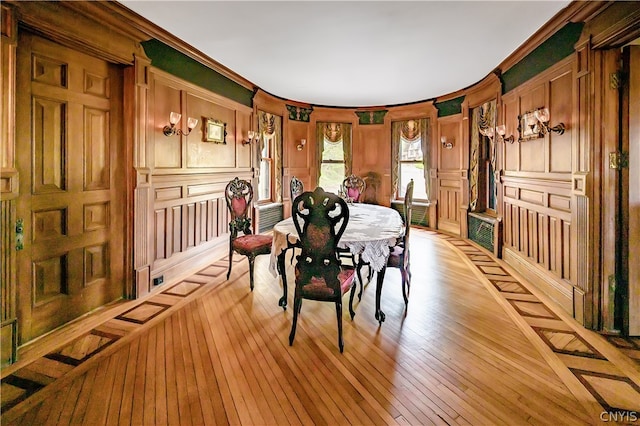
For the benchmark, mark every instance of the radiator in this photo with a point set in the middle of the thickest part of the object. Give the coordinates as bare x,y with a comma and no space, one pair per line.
482,230
419,212
268,216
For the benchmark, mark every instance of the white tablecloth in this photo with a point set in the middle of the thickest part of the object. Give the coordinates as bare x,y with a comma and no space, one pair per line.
370,231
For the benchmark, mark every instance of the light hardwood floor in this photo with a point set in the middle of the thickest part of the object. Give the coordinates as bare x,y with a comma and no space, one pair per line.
210,351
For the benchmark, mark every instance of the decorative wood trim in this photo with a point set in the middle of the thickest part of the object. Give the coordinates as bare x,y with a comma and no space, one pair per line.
82,26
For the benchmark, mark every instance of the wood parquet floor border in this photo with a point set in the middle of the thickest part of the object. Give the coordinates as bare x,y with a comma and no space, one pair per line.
562,335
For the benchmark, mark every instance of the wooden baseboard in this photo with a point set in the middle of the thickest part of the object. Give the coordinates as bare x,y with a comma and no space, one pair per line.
557,290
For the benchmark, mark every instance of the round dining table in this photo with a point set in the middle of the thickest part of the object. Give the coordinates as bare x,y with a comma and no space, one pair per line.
371,230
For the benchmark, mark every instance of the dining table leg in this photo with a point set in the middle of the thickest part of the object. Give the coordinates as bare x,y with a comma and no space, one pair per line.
281,270
379,314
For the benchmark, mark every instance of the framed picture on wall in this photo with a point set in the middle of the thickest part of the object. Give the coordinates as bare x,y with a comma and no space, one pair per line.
528,127
215,131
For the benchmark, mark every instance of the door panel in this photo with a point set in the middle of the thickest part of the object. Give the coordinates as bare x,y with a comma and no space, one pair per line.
68,123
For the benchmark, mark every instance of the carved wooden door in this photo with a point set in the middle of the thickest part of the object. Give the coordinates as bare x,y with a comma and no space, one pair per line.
68,151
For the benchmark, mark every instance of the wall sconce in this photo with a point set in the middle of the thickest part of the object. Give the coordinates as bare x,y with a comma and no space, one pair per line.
301,145
502,130
251,137
445,143
542,115
488,132
170,129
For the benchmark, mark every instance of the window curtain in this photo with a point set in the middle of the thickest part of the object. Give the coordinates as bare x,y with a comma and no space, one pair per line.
425,134
346,147
319,148
483,116
396,130
270,129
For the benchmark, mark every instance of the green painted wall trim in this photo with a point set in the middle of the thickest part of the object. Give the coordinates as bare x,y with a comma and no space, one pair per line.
170,60
450,107
554,49
298,113
371,117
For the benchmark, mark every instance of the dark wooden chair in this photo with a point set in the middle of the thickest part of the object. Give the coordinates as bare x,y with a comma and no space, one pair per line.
372,182
295,187
320,218
399,254
238,194
354,187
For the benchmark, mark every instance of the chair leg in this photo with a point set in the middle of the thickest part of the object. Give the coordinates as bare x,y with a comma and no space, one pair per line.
339,315
230,260
405,285
353,293
251,260
297,303
358,270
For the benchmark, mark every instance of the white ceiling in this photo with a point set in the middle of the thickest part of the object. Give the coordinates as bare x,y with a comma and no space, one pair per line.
357,53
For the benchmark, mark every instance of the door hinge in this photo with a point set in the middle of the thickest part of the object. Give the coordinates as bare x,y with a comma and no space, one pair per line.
618,160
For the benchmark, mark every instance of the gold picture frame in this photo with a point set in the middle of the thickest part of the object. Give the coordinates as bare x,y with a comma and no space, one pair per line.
528,131
215,131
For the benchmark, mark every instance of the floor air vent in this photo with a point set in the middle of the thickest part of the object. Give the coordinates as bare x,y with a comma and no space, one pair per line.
268,216
481,230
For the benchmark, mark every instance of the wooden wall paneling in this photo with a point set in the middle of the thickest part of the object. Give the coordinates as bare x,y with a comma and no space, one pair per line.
560,108
8,187
566,247
167,150
533,235
244,122
160,233
584,217
533,153
608,133
450,175
510,112
136,122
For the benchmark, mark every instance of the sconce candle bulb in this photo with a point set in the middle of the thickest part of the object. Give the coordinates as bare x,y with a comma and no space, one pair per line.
446,144
251,136
170,129
301,145
543,116
502,131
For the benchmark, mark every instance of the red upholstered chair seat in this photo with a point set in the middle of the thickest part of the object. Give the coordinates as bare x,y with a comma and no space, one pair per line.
253,243
317,287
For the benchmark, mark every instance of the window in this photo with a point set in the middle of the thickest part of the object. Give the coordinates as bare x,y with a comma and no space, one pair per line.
334,156
411,167
409,158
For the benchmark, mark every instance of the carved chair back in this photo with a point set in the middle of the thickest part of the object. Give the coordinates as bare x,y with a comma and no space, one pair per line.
295,187
354,186
238,194
320,218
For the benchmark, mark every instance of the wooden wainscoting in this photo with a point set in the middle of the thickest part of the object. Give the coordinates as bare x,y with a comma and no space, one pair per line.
537,221
190,219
